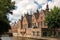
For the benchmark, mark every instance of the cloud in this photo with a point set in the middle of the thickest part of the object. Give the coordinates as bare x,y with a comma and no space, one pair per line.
31,5
26,5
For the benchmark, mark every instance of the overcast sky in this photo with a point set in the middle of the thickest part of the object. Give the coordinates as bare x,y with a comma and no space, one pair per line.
22,6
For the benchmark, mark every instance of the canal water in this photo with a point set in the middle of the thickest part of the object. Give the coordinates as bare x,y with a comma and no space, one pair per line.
18,38
6,38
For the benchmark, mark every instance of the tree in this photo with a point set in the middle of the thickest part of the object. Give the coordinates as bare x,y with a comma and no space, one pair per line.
53,18
5,7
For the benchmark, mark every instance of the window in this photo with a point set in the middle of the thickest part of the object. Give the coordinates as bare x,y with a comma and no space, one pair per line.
39,24
50,33
33,33
44,33
54,33
22,26
58,34
43,24
38,33
29,25
41,18
25,26
33,25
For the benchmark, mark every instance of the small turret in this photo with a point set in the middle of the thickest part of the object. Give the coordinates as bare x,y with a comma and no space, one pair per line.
47,8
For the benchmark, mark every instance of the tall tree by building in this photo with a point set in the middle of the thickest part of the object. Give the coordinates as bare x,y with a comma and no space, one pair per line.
53,18
5,7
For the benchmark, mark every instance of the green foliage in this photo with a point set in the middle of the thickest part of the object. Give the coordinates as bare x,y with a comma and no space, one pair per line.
5,7
53,18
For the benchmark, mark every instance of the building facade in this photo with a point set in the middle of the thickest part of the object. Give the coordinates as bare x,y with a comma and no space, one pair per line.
33,25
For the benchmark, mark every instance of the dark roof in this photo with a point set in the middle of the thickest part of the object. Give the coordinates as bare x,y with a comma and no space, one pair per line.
29,18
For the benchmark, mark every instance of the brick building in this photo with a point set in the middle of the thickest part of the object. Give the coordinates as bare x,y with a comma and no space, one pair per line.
33,25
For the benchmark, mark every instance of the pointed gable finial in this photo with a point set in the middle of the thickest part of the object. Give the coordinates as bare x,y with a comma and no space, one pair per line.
47,7
37,10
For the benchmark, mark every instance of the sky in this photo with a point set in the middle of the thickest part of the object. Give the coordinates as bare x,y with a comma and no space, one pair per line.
24,6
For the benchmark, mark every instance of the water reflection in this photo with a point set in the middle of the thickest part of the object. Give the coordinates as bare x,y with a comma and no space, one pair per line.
18,38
